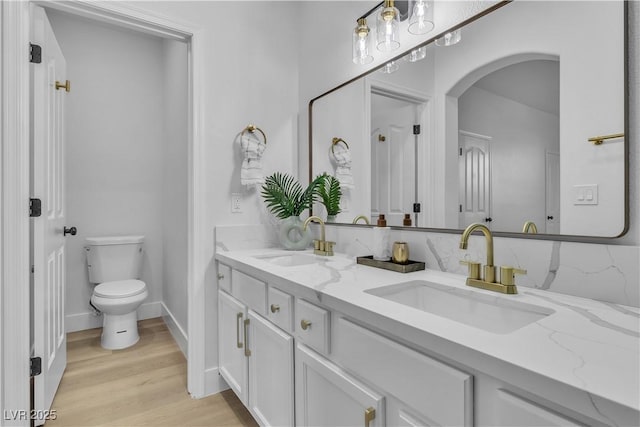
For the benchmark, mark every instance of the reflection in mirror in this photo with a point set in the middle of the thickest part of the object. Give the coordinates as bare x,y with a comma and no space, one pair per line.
494,129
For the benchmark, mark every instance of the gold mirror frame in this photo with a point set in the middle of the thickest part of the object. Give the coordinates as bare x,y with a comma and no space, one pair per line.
558,237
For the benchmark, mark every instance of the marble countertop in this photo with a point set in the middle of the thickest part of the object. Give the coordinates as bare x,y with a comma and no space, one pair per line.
587,345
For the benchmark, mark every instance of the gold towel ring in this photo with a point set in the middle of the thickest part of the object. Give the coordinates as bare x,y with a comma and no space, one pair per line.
336,141
252,129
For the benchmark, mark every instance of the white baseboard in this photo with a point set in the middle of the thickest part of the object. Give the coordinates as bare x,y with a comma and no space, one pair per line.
83,321
178,334
213,382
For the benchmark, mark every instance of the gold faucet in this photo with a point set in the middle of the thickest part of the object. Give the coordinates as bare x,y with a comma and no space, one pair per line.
530,227
320,247
361,217
507,284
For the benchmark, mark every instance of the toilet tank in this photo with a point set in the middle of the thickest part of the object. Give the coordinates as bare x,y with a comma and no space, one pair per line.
114,258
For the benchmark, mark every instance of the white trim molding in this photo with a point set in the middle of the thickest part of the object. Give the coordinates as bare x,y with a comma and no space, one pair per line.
14,204
178,334
214,381
90,320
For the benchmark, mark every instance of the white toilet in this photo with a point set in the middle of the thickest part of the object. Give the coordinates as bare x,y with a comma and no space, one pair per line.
115,265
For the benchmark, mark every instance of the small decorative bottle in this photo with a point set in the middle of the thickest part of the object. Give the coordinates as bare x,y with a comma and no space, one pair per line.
407,220
381,251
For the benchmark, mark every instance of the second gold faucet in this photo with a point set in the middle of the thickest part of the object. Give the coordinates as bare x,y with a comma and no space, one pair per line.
320,247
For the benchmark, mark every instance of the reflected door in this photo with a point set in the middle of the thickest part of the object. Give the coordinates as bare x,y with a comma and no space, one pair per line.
392,158
474,179
553,193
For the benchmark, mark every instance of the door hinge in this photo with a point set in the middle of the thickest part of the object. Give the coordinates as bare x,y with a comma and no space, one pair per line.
35,208
416,208
460,208
460,151
33,269
35,53
416,129
35,366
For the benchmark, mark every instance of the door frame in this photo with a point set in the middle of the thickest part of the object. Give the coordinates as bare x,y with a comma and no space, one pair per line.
422,101
14,187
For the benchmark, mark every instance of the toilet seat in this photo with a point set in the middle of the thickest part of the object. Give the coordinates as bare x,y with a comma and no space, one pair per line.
120,289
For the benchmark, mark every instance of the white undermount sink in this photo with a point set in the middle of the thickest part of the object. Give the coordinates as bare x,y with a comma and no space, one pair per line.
493,314
292,260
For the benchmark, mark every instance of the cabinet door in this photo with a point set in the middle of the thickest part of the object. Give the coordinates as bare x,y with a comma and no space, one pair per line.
270,373
328,396
231,349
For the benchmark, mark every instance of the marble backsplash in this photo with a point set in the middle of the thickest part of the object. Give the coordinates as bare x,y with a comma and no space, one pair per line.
609,273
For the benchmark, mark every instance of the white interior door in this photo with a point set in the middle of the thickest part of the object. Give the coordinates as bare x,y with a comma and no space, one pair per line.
392,158
552,193
474,179
48,238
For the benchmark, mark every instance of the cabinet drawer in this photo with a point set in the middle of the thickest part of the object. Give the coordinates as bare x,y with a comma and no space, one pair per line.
515,411
250,291
280,309
432,389
224,277
312,325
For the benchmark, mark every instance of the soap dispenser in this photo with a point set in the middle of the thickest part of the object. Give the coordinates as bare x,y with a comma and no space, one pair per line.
381,233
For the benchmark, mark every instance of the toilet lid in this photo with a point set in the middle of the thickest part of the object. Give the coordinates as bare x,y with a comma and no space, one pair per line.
120,289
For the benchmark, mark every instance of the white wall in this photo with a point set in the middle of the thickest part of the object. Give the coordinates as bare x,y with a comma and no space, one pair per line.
521,136
250,74
114,150
174,184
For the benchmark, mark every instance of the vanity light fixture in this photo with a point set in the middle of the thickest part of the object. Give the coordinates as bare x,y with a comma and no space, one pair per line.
450,39
420,21
361,42
388,27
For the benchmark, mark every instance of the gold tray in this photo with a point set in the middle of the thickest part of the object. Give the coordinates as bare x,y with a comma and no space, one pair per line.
389,265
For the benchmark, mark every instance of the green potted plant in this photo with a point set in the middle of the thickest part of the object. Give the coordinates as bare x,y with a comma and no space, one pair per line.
286,199
330,193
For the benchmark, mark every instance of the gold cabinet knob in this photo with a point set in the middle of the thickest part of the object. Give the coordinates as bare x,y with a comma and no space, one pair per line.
275,308
305,324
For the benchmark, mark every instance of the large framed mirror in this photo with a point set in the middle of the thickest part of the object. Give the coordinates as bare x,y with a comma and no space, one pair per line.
520,125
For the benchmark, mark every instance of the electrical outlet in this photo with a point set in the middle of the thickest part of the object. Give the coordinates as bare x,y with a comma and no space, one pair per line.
236,203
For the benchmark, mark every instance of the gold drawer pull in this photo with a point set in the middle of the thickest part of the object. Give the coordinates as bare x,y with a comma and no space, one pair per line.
247,352
369,415
275,308
305,324
220,276
238,319
66,86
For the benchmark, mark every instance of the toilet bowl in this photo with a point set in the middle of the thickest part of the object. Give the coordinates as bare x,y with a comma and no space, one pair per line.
118,302
114,264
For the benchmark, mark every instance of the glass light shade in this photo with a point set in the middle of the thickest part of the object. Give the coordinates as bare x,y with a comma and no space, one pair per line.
390,67
450,39
388,27
421,21
361,43
417,54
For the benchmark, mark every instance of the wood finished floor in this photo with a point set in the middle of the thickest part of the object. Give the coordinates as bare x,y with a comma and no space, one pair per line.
144,385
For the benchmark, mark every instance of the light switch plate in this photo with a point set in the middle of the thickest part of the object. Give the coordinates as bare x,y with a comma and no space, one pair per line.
585,194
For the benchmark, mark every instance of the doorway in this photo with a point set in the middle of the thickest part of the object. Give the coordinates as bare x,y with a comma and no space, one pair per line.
398,130
98,160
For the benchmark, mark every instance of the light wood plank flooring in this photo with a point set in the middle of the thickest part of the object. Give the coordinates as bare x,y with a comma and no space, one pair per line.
140,386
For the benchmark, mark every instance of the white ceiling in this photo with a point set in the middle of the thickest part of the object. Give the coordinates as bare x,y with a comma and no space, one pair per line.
533,83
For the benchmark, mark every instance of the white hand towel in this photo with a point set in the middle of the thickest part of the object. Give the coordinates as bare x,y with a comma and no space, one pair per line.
342,157
252,149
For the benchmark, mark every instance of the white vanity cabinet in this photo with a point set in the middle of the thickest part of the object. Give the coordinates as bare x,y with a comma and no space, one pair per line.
255,356
326,395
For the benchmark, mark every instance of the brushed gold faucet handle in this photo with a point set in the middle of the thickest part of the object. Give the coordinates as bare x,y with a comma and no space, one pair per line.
474,269
507,275
328,247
